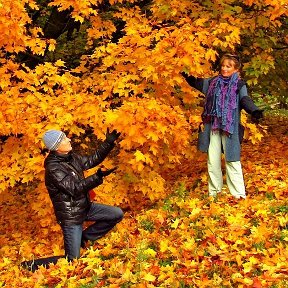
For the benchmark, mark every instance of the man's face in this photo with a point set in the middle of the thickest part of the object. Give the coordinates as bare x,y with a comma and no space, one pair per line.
65,146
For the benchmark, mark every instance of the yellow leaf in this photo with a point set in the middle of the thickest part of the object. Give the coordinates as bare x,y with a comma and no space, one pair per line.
5,263
152,135
189,245
164,245
175,223
149,277
110,117
187,60
59,63
150,252
239,259
139,156
211,54
51,47
127,275
247,267
283,221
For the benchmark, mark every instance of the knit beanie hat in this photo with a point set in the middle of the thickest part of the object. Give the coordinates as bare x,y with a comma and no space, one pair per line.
52,139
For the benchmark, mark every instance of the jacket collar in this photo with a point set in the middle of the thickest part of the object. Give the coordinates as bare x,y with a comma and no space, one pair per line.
61,157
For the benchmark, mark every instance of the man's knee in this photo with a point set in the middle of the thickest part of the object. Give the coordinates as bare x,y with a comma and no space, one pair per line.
118,214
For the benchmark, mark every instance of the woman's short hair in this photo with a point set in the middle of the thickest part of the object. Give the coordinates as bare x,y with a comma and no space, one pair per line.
233,57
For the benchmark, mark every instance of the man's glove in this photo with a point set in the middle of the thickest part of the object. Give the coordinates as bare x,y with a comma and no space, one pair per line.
100,173
113,136
256,116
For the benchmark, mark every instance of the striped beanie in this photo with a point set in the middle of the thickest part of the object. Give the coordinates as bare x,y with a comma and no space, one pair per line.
52,139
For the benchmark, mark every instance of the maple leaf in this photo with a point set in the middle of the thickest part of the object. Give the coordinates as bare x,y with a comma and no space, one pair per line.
150,252
175,223
164,245
190,244
149,277
6,262
139,156
59,63
128,275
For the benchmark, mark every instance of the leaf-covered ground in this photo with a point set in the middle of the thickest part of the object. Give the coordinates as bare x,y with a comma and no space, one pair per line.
186,240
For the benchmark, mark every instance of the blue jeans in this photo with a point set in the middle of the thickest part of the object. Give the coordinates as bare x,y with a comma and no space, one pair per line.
105,217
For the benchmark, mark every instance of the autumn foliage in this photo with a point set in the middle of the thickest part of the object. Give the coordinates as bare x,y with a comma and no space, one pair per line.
185,240
127,78
84,66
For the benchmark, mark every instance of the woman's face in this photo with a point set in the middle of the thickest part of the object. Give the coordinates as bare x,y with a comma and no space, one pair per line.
228,68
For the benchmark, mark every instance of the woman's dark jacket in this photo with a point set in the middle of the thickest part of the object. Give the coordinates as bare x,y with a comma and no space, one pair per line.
67,187
233,142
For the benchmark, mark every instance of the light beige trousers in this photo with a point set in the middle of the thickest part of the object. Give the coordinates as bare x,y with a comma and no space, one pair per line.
234,175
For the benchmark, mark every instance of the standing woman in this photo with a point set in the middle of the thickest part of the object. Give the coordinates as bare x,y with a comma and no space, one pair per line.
221,131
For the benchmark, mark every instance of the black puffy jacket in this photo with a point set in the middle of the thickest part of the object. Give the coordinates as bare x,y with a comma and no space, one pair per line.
67,186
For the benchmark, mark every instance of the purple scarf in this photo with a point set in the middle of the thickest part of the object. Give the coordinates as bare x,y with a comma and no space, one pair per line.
221,103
